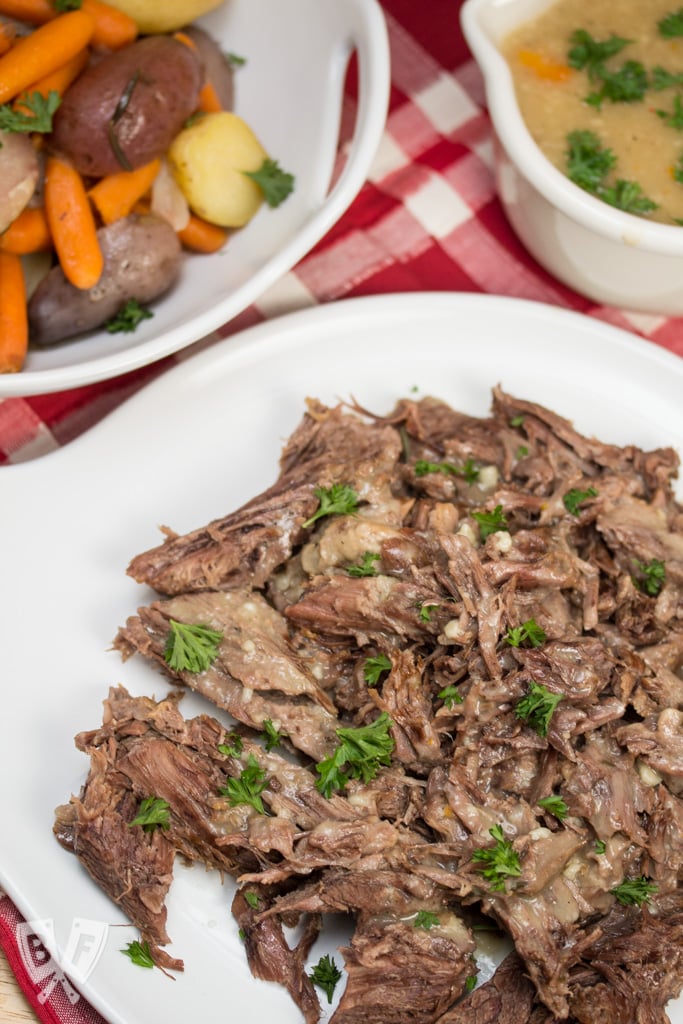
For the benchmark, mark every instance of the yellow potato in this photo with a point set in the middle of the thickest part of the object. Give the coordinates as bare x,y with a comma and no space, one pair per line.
154,16
208,160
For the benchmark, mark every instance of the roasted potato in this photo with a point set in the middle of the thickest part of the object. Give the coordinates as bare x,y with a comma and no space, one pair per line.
142,258
153,16
19,173
209,158
125,109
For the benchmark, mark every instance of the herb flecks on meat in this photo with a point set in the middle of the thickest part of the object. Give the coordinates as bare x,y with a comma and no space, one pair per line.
481,724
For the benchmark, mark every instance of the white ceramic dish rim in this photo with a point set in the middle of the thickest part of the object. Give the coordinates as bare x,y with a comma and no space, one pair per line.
366,32
523,151
376,349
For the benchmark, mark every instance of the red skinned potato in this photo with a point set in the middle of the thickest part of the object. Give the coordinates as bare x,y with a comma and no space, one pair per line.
217,67
142,258
124,110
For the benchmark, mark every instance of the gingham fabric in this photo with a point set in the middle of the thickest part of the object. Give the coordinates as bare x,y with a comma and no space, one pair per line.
427,220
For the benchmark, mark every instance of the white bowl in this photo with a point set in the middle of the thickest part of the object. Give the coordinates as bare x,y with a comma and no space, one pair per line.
612,257
291,91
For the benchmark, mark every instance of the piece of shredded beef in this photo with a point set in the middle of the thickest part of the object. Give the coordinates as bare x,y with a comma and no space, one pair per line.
490,563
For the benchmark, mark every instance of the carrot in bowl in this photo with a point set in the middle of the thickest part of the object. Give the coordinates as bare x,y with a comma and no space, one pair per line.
113,28
43,51
29,232
72,224
201,236
13,314
115,195
544,67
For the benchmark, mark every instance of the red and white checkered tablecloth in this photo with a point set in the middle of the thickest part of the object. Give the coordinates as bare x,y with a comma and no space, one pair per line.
427,220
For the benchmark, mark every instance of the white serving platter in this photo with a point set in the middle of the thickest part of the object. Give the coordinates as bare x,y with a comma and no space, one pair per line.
195,444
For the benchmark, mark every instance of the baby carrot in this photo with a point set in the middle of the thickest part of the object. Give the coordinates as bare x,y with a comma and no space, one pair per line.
59,80
115,195
114,29
33,12
201,236
72,224
43,51
7,36
13,314
209,102
29,232
544,67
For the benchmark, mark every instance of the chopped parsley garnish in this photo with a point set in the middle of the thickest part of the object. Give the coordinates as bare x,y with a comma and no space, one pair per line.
191,648
374,667
575,497
39,117
253,899
366,567
625,85
517,421
663,79
272,734
528,633
521,452
470,982
139,953
325,975
627,196
633,892
468,470
426,611
491,522
450,696
425,919
248,787
235,746
152,813
650,576
673,118
554,805
588,161
339,499
275,183
128,318
600,846
671,25
499,862
537,707
234,59
360,754
590,54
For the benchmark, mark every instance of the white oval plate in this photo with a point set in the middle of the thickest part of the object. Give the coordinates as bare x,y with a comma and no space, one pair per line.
195,444
290,91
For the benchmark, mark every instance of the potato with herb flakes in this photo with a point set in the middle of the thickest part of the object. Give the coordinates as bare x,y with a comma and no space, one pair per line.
211,159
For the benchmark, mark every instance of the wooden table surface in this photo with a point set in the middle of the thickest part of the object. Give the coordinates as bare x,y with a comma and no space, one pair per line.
14,1008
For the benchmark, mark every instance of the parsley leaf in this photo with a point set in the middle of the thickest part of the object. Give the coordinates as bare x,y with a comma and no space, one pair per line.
425,611
575,497
248,787
275,183
468,470
128,317
589,54
587,160
425,919
339,499
366,567
152,813
627,196
499,862
634,891
273,735
253,899
359,755
673,118
234,748
373,668
663,79
325,975
139,953
450,696
529,632
491,522
555,805
625,85
650,576
537,707
38,119
671,25
600,846
191,648
470,982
